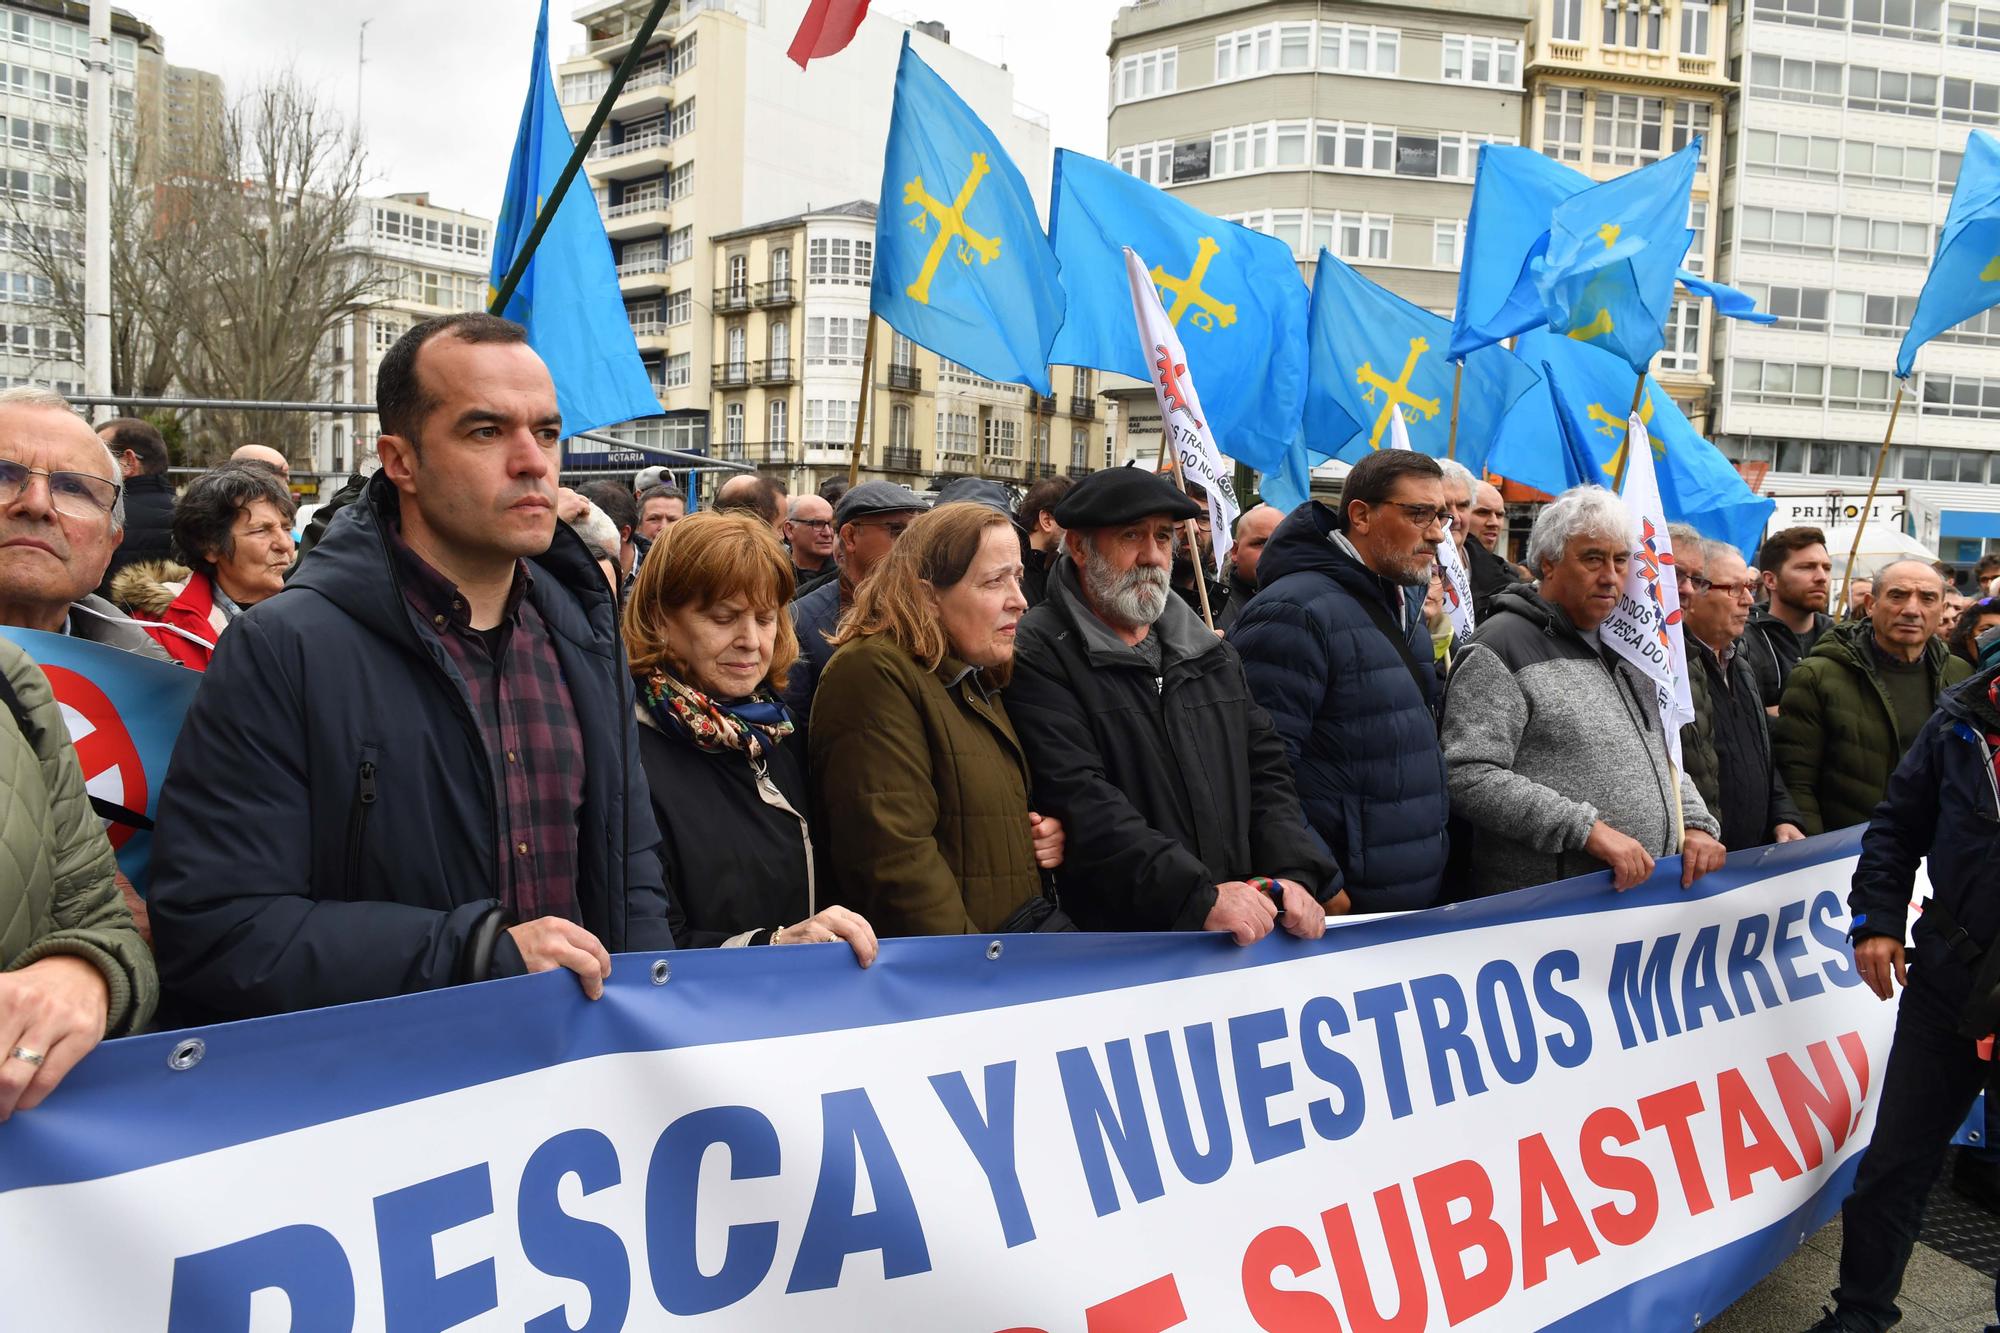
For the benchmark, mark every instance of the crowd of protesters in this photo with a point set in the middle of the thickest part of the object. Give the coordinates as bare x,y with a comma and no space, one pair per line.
485,725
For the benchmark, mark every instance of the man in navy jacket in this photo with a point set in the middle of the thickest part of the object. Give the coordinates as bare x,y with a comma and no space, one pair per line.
417,765
1337,652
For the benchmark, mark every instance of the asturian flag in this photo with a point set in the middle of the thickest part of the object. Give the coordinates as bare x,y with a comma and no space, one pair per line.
1646,629
1181,419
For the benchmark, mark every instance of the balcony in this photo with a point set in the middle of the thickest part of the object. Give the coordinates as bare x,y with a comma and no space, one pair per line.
1698,67
902,460
905,379
636,217
731,374
770,451
731,300
1003,467
1573,52
645,91
778,370
777,292
645,154
647,327
645,275
1042,471
1078,470
1041,404
1083,408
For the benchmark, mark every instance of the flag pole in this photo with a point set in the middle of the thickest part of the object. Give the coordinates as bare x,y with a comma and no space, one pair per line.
1625,458
1457,383
546,213
861,408
1874,483
1171,455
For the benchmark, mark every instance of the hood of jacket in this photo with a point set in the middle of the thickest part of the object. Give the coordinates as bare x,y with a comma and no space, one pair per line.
1181,632
1523,600
1848,644
1303,544
348,565
1761,617
149,587
1971,700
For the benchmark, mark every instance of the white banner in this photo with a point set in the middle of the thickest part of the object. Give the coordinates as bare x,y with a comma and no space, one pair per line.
1457,581
1646,628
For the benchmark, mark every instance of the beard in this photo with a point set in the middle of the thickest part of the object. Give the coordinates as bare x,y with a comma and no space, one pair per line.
1132,599
1415,571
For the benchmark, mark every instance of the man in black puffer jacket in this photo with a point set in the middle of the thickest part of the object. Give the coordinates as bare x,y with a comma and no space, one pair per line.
149,495
418,764
1337,652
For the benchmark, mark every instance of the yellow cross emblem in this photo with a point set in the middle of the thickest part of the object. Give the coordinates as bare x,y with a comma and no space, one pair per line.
1608,425
951,227
1395,394
1991,271
1210,314
1597,328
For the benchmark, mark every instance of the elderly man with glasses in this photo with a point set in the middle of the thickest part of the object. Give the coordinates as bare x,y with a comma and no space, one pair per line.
1727,748
62,514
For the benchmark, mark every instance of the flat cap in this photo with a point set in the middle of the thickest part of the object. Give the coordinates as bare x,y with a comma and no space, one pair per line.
1121,495
650,477
875,497
979,491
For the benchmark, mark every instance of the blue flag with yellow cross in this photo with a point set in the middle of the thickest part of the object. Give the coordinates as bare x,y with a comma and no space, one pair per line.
1234,296
1570,429
1374,355
1965,273
961,264
1606,276
568,298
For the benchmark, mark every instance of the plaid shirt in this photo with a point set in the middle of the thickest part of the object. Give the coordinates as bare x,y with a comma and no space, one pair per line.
534,745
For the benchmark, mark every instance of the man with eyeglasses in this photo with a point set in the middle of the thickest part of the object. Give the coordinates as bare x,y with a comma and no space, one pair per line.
868,520
1337,651
1552,740
809,532
1727,748
62,514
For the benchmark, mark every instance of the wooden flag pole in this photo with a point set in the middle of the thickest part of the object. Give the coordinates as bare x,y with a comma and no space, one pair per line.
1457,383
1625,456
1874,484
861,408
1172,456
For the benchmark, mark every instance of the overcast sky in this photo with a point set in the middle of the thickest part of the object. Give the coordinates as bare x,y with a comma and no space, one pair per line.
444,79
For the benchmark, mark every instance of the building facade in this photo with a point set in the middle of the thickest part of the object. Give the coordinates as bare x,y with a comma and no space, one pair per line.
1843,146
716,130
1615,86
430,261
791,321
180,120
44,89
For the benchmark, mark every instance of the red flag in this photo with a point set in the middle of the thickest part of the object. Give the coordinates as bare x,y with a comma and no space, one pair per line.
828,27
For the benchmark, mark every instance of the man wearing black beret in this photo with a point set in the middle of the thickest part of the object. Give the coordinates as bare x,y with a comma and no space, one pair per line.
1142,738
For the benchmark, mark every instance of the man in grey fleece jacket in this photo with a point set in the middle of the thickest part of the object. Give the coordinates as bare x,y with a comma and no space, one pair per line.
1552,742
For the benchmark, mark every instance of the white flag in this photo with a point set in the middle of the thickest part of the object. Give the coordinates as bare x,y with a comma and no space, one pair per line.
1646,627
1181,420
1457,582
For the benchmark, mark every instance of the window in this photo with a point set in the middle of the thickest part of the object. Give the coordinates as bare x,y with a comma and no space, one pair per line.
899,426
1641,24
1568,24
1147,74
1885,241
1079,385
1858,390
1416,155
1779,383
1562,124
1150,162
1361,147
835,340
732,426
1888,166
1696,261
1973,26
1238,55
682,120
1891,91
1804,13
1976,103
1356,48
1458,154
678,371
1796,80
839,259
778,342
1694,29
1079,447
830,421
1488,60
1801,308
1959,396
739,348
739,277
1289,143
1692,119
1361,236
680,181
780,426
1001,437
1683,349
902,352
956,431
781,265
1861,314
1447,236
1800,156
1239,149
1628,130
1911,20
682,58
680,244
1785,230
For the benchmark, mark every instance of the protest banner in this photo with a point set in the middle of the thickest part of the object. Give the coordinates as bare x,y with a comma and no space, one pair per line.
1562,1108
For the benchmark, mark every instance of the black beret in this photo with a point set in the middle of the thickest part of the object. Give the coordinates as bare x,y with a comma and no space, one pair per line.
1121,495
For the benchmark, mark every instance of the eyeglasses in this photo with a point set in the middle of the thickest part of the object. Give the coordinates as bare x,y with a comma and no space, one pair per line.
895,528
77,494
1424,515
1747,588
814,523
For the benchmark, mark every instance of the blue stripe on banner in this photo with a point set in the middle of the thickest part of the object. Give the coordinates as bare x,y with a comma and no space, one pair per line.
248,1084
1692,1293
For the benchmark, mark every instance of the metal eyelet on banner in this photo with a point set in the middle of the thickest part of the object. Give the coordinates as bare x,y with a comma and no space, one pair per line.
993,951
187,1054
661,972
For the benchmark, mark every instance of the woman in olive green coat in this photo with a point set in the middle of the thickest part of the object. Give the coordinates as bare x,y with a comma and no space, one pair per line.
920,783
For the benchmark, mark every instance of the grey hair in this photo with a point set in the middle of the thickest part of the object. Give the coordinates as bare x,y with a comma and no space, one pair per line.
1713,550
36,395
1581,511
1688,542
1881,571
1458,474
597,529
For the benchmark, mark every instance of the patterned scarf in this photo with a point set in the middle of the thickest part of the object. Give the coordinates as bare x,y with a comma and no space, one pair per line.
751,725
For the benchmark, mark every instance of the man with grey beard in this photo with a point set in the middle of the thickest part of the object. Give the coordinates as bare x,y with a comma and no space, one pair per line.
1142,738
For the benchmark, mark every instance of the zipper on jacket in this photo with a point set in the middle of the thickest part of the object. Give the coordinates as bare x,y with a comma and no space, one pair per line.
357,823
